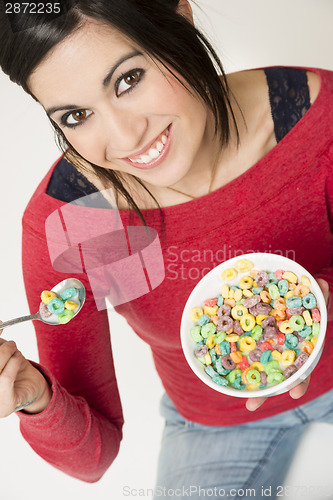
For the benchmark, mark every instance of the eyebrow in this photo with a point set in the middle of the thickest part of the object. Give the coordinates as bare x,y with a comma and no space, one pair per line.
106,82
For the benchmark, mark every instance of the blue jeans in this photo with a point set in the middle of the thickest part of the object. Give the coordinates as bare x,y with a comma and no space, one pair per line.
244,461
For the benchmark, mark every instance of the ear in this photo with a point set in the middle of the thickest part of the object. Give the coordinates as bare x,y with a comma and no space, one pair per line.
184,8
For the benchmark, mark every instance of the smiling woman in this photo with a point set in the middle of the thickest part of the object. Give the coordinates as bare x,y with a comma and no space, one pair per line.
143,110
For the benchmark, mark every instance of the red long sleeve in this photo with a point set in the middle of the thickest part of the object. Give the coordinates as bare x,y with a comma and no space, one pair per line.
80,430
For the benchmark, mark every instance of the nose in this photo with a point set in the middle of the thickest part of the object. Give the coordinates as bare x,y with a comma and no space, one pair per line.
123,131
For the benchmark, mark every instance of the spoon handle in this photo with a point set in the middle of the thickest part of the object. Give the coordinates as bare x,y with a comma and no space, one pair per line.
19,320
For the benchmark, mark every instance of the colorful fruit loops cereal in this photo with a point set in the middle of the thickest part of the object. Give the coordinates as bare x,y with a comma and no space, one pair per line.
60,308
258,333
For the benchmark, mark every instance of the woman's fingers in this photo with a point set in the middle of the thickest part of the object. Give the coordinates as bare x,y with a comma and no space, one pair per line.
7,349
300,390
324,288
254,403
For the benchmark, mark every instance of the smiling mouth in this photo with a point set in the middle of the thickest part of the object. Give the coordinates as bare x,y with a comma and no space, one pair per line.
154,153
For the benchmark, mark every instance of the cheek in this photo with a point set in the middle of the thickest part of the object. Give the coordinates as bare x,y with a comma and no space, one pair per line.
87,144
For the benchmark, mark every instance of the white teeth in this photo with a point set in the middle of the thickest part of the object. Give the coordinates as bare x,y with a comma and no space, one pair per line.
153,153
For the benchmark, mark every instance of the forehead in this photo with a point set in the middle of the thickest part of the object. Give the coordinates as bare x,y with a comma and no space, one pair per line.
85,56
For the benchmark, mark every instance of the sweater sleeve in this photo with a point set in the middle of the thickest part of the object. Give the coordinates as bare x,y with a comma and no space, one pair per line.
80,430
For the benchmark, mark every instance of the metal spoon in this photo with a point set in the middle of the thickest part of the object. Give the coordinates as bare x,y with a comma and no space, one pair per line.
53,320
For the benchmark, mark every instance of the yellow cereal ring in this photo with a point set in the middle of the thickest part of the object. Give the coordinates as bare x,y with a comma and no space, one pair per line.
225,291
243,265
257,366
196,313
207,359
260,318
233,337
314,340
276,355
70,305
284,327
305,280
288,357
245,283
231,293
210,343
229,274
238,294
252,387
290,276
289,294
247,344
247,322
247,293
46,296
253,273
307,317
238,311
211,311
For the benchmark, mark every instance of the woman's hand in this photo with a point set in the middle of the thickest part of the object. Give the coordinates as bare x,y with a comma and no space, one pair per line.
298,391
22,386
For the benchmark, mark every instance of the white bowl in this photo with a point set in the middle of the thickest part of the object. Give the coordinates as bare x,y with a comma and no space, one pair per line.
210,286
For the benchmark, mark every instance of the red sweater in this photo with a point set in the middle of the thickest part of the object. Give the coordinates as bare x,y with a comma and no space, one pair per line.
282,204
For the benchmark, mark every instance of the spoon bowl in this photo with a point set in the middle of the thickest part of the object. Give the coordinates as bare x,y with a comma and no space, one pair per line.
53,318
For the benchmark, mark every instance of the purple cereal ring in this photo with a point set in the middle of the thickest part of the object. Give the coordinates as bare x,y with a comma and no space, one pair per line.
228,363
201,351
295,311
301,359
289,371
223,310
225,323
261,278
269,321
271,332
279,348
255,355
251,301
44,311
263,378
253,310
263,308
237,328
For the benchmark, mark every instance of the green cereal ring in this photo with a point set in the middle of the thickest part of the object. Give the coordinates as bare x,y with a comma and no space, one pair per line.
219,337
256,290
256,332
275,377
220,369
210,371
265,357
253,377
297,322
66,316
195,333
309,337
219,380
305,332
231,377
208,329
290,341
272,365
273,291
239,384
315,329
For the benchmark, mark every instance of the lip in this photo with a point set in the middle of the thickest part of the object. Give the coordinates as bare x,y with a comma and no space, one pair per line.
156,161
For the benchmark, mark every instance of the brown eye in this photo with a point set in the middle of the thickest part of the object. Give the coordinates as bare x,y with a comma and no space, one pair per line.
129,81
78,116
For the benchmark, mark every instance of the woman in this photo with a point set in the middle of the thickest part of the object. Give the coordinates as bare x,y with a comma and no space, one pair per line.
154,121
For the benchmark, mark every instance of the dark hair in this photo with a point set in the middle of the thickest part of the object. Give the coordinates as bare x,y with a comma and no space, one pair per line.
156,26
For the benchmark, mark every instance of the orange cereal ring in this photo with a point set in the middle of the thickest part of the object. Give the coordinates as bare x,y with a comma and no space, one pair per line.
280,303
230,302
244,378
236,356
307,346
215,319
301,290
278,314
217,349
265,297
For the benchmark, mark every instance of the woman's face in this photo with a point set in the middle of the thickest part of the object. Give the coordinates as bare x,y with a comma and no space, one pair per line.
120,109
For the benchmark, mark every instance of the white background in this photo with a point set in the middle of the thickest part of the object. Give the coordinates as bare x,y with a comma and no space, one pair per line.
248,34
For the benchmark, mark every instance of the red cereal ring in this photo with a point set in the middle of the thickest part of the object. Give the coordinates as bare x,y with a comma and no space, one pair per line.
210,302
281,338
266,345
315,315
233,347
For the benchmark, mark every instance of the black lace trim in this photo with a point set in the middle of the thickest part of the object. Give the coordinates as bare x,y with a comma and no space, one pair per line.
289,98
